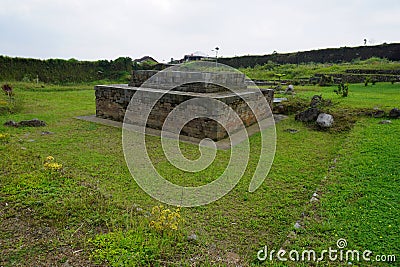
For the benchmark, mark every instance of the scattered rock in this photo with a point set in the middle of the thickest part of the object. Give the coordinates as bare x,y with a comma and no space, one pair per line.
314,199
325,120
28,123
315,194
47,133
308,115
290,89
11,124
292,131
394,113
280,109
315,101
192,237
385,122
32,123
297,225
378,113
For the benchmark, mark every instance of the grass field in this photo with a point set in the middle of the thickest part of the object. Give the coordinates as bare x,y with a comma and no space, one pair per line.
93,213
270,70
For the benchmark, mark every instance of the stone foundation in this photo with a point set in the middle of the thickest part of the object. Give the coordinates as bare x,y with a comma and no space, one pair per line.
112,101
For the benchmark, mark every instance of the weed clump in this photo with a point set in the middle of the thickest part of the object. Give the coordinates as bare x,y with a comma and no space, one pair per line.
51,165
165,220
343,90
4,138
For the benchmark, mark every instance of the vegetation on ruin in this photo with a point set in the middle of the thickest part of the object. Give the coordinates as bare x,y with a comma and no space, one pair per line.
305,71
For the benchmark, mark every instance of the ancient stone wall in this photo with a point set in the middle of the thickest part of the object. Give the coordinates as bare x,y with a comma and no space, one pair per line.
112,102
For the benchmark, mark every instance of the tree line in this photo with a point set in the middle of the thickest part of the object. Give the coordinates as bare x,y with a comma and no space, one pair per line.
60,71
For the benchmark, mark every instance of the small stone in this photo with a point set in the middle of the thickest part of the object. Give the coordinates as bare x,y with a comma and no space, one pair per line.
290,89
47,133
292,131
385,122
378,113
314,199
23,148
325,120
394,113
192,237
279,109
297,225
11,124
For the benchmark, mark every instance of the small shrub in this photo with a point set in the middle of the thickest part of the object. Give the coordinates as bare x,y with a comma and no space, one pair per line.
343,90
8,104
7,89
26,78
296,82
366,81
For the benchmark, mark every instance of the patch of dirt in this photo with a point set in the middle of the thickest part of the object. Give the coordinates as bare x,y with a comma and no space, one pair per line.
26,241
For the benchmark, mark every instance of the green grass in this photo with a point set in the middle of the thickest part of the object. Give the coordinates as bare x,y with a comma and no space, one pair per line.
293,71
382,95
94,211
360,200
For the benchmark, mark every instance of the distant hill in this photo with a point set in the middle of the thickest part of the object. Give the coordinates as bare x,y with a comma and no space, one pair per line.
329,55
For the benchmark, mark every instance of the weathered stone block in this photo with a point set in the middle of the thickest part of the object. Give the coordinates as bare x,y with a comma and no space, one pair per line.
112,101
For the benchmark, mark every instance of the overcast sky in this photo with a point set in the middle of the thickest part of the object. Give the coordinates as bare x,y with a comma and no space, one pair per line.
165,29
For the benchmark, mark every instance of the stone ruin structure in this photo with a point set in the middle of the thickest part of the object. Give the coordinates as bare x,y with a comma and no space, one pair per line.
112,100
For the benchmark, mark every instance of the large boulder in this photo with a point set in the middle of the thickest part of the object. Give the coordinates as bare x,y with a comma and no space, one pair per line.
325,120
307,115
394,113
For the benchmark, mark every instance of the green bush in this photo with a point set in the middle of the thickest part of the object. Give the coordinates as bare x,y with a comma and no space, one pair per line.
8,102
61,71
343,89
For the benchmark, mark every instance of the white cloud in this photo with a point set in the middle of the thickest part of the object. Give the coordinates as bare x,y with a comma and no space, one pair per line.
88,29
